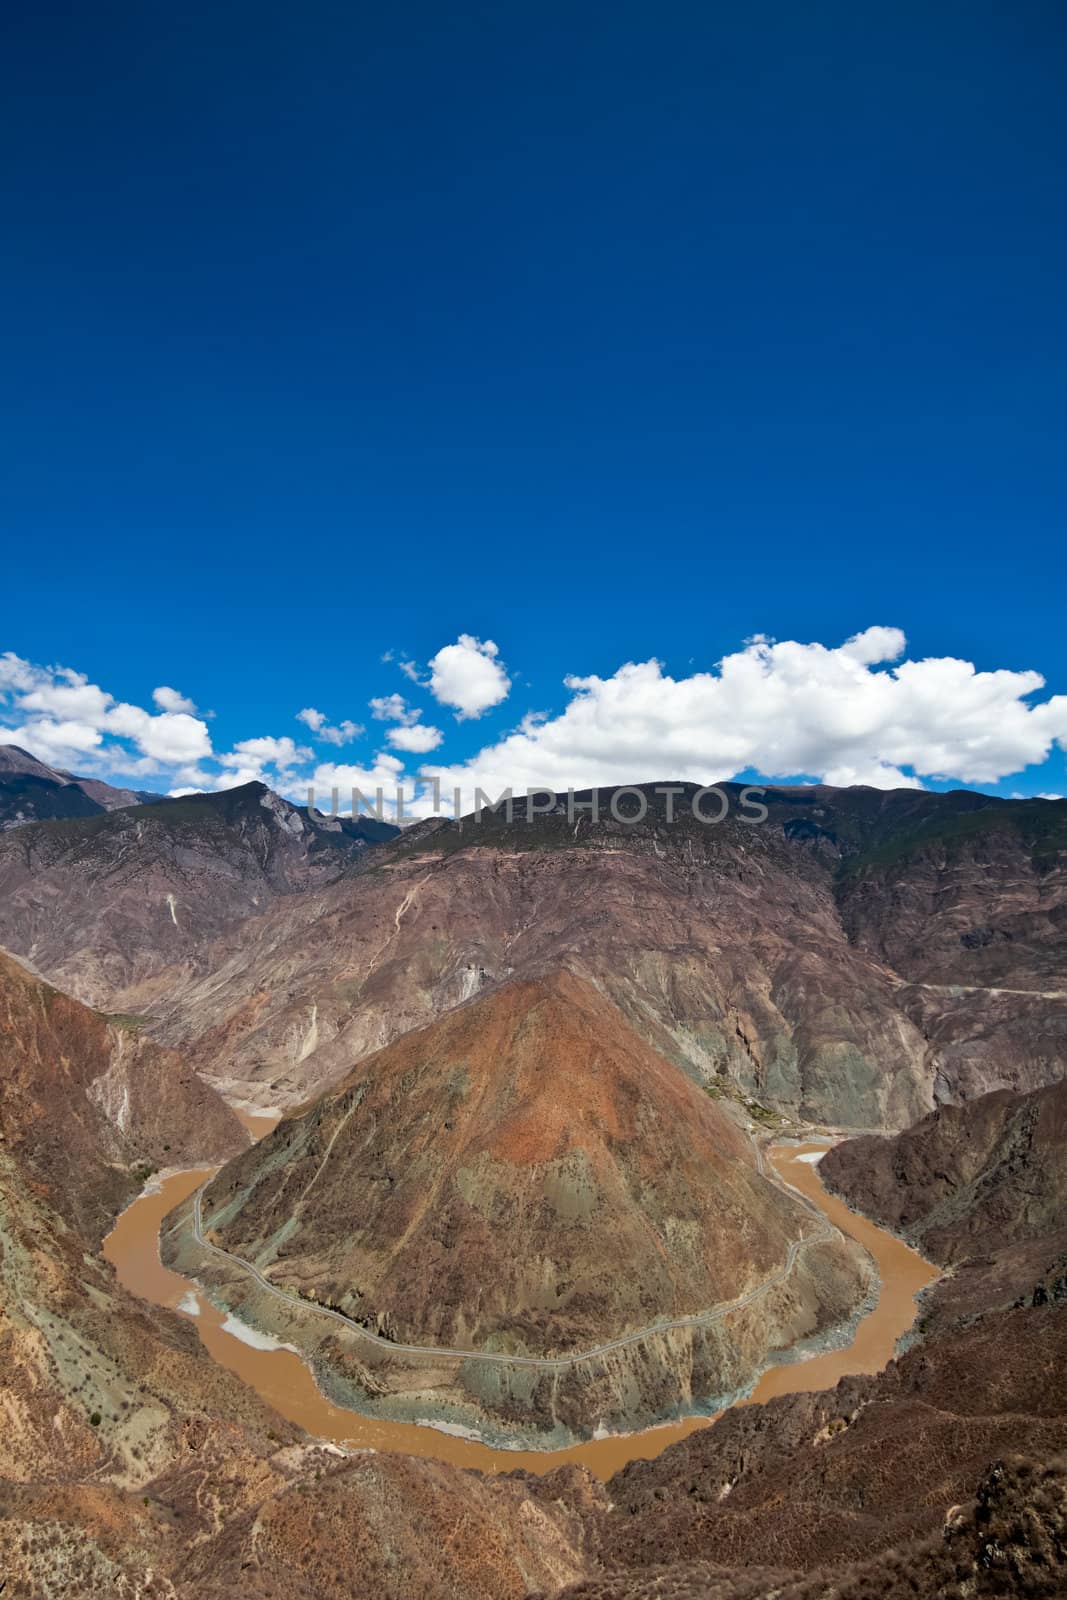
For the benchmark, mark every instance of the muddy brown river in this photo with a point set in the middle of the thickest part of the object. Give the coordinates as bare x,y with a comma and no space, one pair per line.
284,1380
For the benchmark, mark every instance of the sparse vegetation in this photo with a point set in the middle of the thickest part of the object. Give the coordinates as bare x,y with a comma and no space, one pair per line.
126,1020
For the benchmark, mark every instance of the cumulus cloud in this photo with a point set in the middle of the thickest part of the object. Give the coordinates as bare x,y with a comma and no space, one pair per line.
393,708
72,698
386,773
250,756
16,676
468,676
55,742
343,733
67,716
419,737
842,715
170,700
171,737
861,712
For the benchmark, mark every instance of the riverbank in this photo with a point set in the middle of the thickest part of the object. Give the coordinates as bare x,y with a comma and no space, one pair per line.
860,1344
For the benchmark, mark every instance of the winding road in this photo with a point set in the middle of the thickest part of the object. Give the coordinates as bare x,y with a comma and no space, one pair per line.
699,1319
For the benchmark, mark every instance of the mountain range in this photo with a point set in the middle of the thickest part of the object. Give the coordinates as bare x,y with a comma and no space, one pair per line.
856,959
32,791
528,1068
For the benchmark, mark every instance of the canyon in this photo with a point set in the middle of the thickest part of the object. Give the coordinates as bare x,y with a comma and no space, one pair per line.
274,953
529,1076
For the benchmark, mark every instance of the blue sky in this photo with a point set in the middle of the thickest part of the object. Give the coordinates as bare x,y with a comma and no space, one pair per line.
603,334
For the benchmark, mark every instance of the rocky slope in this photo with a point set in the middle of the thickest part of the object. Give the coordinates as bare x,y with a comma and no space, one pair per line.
906,1484
743,952
92,1382
982,1187
98,902
132,1465
944,1478
527,1177
32,791
86,1094
967,1179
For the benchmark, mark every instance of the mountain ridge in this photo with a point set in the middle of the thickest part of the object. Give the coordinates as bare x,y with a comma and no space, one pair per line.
740,952
32,791
94,900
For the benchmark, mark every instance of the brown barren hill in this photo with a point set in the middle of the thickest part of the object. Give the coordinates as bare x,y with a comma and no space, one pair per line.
525,1175
93,1382
528,1180
758,957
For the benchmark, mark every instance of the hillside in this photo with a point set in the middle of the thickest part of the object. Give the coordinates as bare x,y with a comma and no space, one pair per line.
980,1186
534,1180
94,1381
88,1093
32,791
99,902
745,953
968,1179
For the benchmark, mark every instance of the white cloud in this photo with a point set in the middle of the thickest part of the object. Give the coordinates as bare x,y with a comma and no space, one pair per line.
874,645
252,755
387,774
67,716
196,781
343,733
55,742
467,676
75,699
419,738
171,737
170,700
861,712
393,708
783,709
117,759
16,675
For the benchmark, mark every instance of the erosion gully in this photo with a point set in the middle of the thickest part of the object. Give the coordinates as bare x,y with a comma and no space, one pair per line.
284,1380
